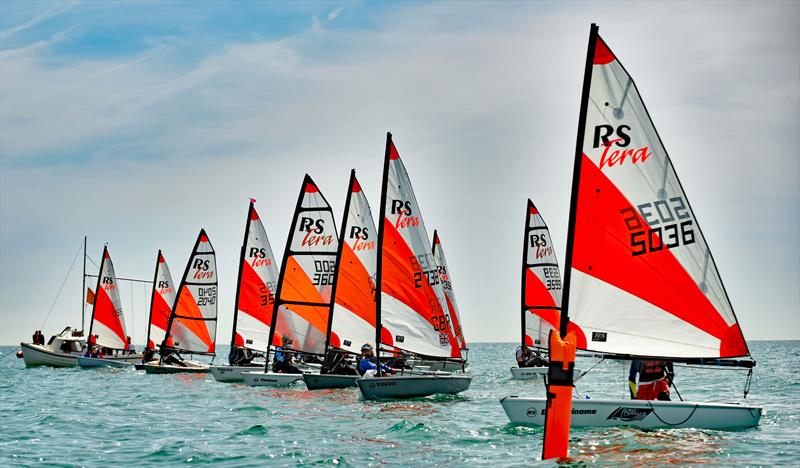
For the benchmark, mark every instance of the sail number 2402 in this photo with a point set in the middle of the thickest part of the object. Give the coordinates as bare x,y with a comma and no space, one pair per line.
659,225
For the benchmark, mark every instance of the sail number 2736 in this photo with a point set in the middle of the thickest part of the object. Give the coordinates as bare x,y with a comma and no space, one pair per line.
658,225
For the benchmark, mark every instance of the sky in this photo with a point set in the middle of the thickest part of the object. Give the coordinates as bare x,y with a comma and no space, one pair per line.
138,123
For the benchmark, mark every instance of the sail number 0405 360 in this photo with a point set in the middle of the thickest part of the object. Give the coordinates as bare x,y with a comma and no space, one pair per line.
658,225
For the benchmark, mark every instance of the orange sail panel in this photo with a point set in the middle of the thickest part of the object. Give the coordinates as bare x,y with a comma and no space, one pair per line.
161,301
353,314
107,328
193,322
258,280
307,274
413,308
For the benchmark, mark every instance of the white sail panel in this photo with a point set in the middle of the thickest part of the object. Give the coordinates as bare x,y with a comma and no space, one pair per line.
636,232
413,315
161,303
107,328
194,316
304,293
447,287
541,281
257,287
353,318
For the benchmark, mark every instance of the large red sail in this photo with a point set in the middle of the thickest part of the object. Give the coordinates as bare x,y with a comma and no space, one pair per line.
193,322
413,308
258,280
161,301
307,273
353,313
107,328
642,280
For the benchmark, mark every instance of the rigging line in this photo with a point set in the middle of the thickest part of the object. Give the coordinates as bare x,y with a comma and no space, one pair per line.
93,263
589,369
44,322
671,424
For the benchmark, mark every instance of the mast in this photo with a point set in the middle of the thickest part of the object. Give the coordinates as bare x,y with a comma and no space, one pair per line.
152,299
241,267
83,288
342,234
576,177
524,271
378,285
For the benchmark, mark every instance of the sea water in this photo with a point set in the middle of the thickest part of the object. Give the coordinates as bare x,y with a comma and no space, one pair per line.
110,417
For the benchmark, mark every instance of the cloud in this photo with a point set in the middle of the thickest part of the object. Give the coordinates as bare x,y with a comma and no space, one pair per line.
57,9
335,13
143,149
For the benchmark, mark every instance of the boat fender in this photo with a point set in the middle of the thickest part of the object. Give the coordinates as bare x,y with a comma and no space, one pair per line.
19,354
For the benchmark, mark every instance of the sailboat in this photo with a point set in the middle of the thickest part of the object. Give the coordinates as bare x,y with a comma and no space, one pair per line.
640,281
541,290
411,309
162,298
255,298
303,295
107,325
452,306
352,313
192,323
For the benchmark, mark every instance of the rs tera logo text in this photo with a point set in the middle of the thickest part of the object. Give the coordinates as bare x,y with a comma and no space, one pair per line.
610,158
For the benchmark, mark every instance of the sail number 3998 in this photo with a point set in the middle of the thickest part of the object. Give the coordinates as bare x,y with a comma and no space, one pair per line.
667,224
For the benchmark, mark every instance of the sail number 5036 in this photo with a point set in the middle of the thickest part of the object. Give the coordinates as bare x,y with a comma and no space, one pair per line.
662,224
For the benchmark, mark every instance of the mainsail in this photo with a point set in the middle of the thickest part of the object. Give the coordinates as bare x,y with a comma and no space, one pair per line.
412,308
107,327
541,282
307,273
193,322
352,320
255,294
161,301
447,287
640,279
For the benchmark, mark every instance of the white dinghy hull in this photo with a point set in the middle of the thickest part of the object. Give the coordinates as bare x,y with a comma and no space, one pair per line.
528,373
190,367
270,379
638,413
232,373
87,362
323,381
412,386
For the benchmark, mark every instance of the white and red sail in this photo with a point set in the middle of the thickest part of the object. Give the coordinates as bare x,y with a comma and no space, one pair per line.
541,282
447,287
413,308
353,314
258,279
107,328
307,274
161,301
642,280
193,322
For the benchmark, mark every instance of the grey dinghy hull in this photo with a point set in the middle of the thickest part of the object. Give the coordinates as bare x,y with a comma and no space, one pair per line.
232,373
192,367
528,373
323,381
411,386
270,379
638,413
86,362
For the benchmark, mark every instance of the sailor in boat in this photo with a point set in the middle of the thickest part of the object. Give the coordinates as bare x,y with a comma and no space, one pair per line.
283,358
366,367
337,363
38,337
655,378
528,358
240,356
131,349
148,355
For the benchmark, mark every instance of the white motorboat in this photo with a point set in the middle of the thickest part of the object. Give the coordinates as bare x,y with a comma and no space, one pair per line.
412,386
61,351
638,413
